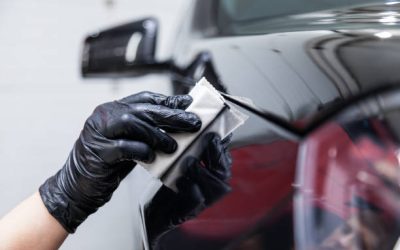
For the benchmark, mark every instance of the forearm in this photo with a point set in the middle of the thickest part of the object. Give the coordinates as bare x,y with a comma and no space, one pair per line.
30,226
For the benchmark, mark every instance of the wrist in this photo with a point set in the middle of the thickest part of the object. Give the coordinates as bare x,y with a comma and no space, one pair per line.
63,200
58,204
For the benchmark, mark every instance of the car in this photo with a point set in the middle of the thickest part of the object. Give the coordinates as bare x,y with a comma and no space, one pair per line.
317,164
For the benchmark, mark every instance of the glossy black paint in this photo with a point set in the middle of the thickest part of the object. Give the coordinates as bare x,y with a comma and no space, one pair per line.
302,71
325,58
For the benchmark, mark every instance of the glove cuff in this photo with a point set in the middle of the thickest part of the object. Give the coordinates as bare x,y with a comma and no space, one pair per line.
67,212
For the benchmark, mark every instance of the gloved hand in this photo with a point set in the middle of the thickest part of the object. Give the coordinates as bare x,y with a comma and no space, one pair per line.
203,182
114,137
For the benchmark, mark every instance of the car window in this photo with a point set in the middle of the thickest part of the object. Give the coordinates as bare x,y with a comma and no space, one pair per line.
233,14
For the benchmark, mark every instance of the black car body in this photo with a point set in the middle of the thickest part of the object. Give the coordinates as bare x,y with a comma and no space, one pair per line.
322,75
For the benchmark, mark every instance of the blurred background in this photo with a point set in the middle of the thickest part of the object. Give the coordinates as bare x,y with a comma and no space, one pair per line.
44,101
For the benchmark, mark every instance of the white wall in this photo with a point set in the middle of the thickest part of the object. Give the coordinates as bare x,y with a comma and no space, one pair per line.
44,101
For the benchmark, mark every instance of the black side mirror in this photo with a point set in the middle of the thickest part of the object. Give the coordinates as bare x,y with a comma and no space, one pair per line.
126,50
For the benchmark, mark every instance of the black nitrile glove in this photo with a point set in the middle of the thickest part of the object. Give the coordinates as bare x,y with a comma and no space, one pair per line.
203,182
114,137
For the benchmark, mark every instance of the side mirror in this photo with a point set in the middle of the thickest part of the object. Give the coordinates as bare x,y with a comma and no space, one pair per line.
126,50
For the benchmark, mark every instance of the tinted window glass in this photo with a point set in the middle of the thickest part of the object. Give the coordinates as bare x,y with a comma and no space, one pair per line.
233,14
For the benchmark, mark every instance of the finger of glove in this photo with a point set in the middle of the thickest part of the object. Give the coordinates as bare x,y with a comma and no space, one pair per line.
212,187
174,102
130,127
177,101
125,150
124,168
216,156
171,120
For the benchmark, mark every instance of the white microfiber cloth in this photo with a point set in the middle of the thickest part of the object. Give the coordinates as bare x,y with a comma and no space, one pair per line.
216,116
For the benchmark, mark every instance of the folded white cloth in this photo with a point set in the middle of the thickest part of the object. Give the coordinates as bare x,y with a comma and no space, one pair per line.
216,116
